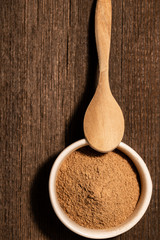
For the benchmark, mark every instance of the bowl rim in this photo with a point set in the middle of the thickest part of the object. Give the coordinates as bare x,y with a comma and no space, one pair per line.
145,196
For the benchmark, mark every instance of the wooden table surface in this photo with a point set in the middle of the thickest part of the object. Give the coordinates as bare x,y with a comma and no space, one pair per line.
49,70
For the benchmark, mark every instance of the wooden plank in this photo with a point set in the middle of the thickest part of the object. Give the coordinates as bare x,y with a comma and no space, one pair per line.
48,76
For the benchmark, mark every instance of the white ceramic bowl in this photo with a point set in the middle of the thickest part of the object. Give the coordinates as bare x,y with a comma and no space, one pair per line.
145,197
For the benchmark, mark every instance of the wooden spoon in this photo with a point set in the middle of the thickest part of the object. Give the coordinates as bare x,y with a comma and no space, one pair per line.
103,121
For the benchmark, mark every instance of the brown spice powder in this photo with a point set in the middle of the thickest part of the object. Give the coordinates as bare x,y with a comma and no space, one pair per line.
97,191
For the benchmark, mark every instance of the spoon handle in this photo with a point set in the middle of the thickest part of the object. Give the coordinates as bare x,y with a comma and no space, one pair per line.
103,20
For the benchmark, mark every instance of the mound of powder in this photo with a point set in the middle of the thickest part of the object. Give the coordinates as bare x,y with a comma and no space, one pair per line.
97,191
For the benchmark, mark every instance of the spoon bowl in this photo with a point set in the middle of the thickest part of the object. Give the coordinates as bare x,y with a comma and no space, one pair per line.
103,121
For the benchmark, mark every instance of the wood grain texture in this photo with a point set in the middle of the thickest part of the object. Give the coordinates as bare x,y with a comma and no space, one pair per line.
48,76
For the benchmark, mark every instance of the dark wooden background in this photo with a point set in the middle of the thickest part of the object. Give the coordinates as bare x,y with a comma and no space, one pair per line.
49,71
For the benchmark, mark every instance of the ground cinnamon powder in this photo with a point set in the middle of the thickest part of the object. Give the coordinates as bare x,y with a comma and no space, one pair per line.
97,191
